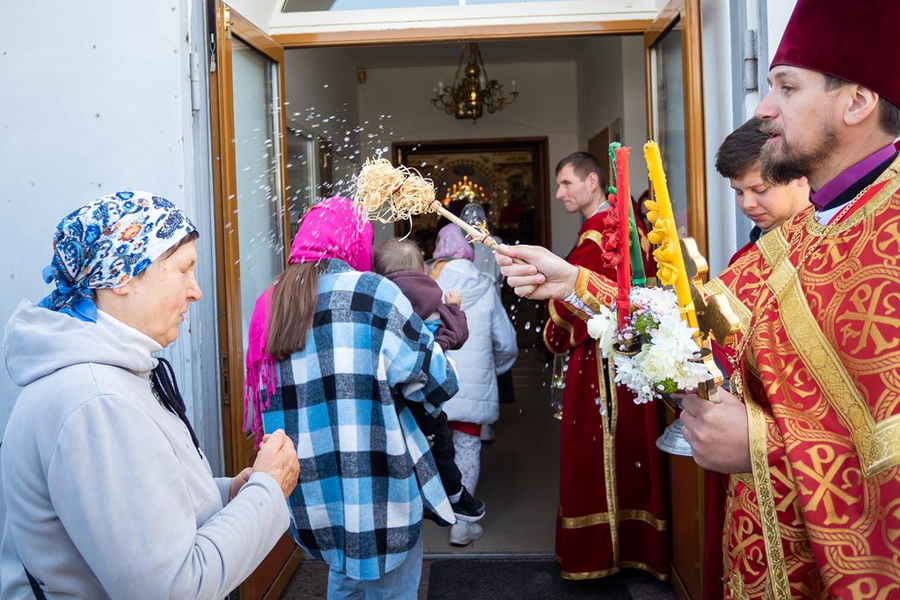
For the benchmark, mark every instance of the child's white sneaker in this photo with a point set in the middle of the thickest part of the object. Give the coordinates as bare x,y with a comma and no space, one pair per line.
463,534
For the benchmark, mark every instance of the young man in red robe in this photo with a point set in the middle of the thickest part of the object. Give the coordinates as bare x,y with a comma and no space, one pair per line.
612,510
811,436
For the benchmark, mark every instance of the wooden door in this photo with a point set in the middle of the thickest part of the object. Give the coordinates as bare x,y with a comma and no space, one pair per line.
598,146
675,120
251,220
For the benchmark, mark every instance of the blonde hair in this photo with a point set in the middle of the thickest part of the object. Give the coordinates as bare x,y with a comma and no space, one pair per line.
397,255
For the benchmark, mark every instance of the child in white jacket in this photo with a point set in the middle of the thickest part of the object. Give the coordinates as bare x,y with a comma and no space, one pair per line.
490,350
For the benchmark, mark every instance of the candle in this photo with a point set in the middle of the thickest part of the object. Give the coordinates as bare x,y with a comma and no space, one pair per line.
623,202
634,249
670,249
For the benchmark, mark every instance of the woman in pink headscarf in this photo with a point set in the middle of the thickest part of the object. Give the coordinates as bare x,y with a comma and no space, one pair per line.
490,350
329,341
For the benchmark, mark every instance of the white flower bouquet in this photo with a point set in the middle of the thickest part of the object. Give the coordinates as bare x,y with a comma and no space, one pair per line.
655,352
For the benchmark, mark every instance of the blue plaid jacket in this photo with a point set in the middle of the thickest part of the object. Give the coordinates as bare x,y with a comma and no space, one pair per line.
365,466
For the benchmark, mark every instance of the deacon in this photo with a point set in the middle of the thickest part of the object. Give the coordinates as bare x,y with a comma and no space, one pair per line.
612,510
811,435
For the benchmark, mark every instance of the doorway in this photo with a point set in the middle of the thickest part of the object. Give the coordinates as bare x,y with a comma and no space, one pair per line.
335,100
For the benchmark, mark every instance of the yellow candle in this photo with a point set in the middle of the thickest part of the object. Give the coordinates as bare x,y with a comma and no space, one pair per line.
661,192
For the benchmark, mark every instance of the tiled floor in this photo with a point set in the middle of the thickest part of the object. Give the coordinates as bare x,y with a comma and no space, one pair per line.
519,473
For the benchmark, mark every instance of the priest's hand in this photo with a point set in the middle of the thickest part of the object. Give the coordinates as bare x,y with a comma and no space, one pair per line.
541,275
719,434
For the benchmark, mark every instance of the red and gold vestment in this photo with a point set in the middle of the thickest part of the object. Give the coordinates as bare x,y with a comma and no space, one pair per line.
819,515
612,508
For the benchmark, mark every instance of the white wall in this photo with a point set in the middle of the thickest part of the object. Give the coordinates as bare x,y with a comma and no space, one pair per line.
547,106
634,109
102,104
611,86
721,210
778,13
600,93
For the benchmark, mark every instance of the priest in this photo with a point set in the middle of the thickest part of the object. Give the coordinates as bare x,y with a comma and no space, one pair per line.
811,428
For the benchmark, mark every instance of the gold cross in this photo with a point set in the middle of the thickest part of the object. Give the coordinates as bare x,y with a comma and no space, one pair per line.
715,317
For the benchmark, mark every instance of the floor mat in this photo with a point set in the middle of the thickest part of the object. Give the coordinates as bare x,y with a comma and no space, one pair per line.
538,579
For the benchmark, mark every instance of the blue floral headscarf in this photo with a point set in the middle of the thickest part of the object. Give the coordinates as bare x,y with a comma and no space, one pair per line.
104,244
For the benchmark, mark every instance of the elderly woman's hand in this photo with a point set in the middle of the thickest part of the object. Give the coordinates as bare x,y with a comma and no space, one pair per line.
238,481
541,275
278,458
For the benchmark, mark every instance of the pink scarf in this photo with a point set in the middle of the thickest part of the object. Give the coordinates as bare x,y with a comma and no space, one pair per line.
330,229
451,243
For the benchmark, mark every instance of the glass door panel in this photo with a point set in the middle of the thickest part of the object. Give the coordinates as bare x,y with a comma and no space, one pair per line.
675,101
668,118
257,151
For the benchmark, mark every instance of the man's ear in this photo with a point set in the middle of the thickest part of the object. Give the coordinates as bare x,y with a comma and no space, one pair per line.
593,180
861,103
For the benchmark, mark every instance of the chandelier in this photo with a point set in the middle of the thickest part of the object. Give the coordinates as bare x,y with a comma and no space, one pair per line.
465,190
472,91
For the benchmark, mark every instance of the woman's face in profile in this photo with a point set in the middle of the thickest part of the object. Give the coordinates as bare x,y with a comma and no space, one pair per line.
158,301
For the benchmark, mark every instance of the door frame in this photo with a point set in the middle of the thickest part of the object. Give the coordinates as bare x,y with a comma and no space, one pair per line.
650,29
537,144
238,449
686,507
688,12
444,34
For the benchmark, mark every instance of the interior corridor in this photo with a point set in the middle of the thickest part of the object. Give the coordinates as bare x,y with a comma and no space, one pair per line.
519,472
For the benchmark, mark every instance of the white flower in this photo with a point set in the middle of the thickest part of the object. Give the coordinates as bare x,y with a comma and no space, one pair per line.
666,351
602,327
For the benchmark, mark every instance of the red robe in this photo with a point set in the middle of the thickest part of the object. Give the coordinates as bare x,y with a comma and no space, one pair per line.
716,491
819,515
612,509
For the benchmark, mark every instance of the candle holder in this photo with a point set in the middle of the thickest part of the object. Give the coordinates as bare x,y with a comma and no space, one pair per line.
672,440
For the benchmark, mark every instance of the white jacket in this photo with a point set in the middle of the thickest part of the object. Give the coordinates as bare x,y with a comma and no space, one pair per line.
106,495
490,350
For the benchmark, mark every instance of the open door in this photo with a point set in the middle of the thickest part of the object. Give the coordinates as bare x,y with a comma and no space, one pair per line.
675,120
251,220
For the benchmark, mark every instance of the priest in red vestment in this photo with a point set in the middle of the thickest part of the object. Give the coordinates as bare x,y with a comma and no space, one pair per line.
767,205
811,435
612,510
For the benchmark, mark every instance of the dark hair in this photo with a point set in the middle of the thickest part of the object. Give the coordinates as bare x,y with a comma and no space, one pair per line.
397,255
293,306
741,150
888,112
583,164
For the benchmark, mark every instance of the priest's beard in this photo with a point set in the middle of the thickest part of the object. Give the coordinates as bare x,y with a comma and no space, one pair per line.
780,166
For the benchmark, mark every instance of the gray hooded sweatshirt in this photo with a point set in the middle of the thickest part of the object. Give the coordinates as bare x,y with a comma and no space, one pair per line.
106,495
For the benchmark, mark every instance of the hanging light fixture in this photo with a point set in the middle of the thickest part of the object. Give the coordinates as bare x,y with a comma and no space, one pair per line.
472,90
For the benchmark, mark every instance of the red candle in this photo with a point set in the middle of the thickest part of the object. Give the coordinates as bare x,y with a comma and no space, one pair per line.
623,203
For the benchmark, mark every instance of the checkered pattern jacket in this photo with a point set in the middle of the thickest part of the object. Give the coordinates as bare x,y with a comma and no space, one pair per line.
365,466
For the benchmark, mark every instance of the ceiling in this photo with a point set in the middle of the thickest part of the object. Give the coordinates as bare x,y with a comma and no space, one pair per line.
493,52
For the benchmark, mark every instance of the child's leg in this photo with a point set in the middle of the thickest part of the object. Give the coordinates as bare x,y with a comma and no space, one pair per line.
444,456
441,446
468,458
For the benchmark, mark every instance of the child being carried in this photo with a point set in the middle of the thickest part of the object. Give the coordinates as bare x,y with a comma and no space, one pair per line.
402,262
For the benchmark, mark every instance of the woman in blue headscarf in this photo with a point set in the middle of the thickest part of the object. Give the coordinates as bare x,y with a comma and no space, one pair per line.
107,491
